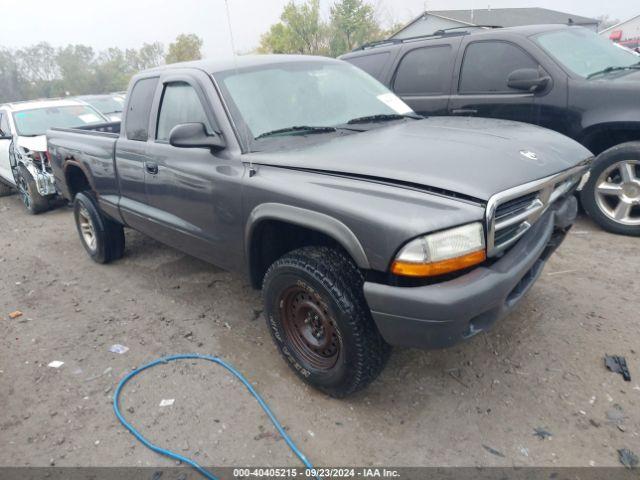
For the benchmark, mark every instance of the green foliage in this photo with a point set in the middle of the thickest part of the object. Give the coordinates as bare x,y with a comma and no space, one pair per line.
302,30
353,23
184,49
42,71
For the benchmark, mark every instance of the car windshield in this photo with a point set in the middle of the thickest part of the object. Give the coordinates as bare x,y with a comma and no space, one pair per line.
107,104
584,52
286,98
38,120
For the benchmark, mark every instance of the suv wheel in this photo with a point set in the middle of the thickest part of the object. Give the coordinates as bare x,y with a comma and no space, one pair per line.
612,195
102,238
319,319
33,201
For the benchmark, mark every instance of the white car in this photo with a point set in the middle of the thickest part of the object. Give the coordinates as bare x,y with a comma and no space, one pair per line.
24,162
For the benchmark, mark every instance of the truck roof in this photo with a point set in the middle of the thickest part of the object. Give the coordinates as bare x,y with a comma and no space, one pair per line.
45,103
242,61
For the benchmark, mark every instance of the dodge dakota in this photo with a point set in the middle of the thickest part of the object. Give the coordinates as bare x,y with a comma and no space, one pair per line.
365,225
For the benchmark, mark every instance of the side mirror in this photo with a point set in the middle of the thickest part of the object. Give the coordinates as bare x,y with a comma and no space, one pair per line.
528,79
194,135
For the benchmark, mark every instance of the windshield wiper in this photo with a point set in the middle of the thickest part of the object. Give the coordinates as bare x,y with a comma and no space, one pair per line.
295,129
383,117
614,69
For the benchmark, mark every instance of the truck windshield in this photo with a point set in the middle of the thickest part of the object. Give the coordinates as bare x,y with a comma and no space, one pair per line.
301,97
584,52
37,121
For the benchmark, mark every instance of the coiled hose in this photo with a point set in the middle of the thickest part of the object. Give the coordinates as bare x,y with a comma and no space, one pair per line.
176,456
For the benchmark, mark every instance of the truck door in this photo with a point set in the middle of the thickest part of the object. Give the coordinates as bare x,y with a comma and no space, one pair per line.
131,154
422,76
193,193
5,142
481,86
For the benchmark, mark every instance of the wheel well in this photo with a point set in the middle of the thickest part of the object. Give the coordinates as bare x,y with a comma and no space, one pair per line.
602,140
76,180
271,239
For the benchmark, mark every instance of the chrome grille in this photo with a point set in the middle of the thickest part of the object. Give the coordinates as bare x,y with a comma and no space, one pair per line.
512,212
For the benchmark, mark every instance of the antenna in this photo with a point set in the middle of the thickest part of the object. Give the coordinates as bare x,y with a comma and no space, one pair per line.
252,170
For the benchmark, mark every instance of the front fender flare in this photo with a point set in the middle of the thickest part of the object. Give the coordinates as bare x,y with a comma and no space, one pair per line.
310,219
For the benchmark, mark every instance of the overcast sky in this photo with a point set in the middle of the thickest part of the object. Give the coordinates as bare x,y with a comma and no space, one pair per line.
129,23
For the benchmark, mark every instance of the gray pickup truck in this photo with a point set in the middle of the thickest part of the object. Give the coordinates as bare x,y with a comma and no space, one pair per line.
364,224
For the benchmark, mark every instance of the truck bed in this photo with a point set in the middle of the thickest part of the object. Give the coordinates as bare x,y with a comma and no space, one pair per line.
90,149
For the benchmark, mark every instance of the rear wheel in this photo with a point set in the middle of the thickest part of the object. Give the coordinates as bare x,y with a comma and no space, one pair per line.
612,195
33,201
101,237
320,321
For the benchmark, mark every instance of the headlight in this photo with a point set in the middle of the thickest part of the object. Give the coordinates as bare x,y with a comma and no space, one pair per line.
442,252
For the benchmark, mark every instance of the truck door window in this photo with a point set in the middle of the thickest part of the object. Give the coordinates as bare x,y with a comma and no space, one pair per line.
139,109
180,104
424,71
487,65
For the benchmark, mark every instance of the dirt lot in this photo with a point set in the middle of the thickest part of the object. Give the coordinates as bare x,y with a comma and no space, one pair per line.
540,368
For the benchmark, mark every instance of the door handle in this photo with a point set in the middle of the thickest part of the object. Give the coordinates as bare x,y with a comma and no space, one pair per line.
151,167
464,111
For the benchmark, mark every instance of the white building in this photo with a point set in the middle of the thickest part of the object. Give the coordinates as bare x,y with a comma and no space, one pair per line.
625,33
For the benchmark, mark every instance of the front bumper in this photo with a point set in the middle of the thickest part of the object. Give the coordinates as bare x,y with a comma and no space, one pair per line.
440,315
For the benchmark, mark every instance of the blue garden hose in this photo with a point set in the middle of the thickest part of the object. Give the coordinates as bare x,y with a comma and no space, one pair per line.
168,453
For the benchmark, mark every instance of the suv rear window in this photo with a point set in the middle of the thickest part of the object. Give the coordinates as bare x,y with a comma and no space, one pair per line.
487,66
139,109
424,71
372,64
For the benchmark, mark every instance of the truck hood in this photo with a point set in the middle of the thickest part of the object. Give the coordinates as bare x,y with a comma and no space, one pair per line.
35,144
475,157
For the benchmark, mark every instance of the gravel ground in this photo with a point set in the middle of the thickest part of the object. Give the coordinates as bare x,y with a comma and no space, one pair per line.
476,404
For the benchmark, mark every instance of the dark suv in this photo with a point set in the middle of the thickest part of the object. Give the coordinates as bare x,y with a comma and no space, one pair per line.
565,78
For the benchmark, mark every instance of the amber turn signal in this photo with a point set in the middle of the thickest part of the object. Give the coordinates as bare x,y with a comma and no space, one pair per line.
409,269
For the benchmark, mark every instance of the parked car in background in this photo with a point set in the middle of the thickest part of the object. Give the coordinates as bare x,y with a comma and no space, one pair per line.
24,162
565,78
110,105
364,224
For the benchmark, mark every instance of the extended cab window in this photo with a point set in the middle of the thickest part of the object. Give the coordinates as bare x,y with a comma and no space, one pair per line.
180,104
424,71
137,117
487,66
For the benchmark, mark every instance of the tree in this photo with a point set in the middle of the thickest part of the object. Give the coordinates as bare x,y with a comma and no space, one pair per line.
76,64
353,23
151,55
112,71
300,30
11,80
185,48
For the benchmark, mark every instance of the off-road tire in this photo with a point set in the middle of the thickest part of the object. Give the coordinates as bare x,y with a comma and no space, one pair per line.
31,198
6,190
622,152
109,235
330,278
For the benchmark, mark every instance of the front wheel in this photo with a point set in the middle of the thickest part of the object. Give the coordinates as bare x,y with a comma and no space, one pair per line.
33,201
319,319
101,237
612,195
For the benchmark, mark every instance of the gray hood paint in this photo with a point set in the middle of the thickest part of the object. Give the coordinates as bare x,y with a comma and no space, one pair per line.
471,156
